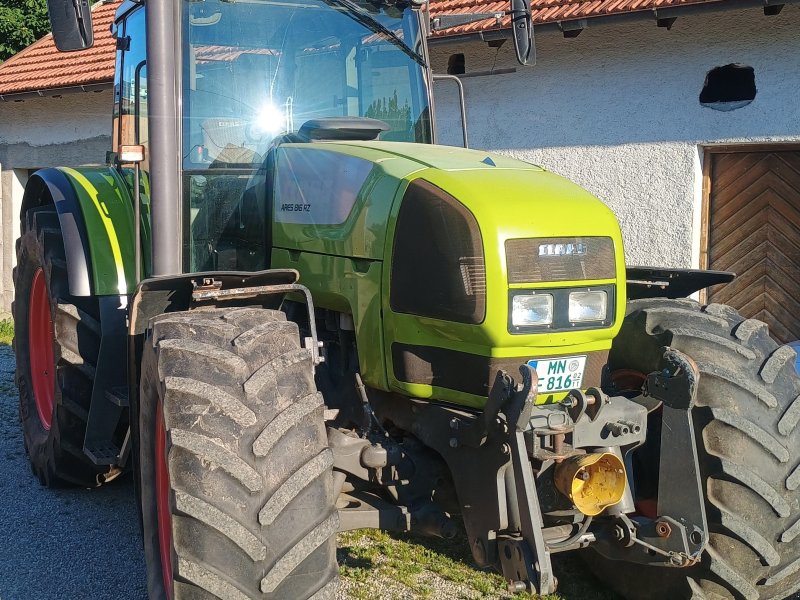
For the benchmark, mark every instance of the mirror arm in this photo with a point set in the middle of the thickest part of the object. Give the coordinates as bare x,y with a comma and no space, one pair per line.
462,104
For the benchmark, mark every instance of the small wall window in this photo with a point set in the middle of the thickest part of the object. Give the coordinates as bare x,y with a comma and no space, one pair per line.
456,64
729,87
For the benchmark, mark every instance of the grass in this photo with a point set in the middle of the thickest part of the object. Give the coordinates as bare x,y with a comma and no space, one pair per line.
376,564
6,331
372,560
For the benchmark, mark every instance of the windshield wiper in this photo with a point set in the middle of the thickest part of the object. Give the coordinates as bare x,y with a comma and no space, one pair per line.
355,12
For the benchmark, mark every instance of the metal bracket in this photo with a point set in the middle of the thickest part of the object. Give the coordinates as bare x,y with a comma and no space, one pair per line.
661,543
535,560
675,383
678,536
210,290
676,387
106,407
360,509
447,21
474,433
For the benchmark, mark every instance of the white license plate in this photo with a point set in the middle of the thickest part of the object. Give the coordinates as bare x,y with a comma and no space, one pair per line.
559,374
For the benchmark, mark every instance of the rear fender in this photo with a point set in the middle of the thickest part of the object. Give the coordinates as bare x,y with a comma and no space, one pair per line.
95,211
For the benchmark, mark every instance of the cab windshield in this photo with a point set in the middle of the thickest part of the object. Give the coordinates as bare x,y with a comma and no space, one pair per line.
255,70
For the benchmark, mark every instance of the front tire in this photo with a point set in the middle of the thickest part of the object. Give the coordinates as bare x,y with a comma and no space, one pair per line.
233,464
748,445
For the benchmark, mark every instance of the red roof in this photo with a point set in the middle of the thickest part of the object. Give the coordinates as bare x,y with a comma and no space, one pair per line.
41,67
550,11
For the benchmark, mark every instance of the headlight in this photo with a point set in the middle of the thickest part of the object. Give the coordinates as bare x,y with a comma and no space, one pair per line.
587,306
529,310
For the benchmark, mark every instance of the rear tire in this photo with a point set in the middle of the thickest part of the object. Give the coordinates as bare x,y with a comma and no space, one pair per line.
57,340
234,469
748,444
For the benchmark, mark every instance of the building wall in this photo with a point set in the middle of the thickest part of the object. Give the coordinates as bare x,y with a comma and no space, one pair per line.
616,110
70,130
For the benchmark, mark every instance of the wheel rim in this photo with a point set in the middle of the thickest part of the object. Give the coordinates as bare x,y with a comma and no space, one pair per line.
628,380
40,349
162,502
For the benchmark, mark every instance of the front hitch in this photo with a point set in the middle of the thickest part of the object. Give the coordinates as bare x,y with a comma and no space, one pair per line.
487,457
678,533
514,516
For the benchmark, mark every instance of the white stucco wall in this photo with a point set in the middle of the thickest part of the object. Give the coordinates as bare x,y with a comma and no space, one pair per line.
58,120
70,130
616,110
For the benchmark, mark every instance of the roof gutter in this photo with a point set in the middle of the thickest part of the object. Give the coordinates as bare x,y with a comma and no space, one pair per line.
659,15
54,92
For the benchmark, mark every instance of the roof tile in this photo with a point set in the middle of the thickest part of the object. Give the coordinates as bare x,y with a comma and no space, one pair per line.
549,11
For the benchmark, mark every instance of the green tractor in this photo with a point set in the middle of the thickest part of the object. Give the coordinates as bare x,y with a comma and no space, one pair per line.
290,314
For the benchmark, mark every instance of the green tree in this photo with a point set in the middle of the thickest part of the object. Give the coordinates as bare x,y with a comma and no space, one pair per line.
22,22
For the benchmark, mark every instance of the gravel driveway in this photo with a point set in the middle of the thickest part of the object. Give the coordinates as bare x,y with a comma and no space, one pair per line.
70,543
84,544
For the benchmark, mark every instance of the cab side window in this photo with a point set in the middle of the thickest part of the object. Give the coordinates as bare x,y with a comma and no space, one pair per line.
130,84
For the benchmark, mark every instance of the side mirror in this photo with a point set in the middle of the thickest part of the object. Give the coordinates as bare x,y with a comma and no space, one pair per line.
522,31
71,22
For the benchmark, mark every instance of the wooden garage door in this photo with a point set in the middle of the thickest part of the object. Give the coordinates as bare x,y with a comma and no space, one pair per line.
754,231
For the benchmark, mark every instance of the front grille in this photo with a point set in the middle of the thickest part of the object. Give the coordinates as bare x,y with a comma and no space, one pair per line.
536,260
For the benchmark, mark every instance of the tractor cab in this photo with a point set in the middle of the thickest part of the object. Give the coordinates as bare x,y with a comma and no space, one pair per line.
250,75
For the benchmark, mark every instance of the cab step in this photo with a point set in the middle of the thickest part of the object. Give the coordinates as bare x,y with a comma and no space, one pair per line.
102,454
118,395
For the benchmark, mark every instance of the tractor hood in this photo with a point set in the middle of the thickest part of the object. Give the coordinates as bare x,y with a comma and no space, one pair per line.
338,198
427,247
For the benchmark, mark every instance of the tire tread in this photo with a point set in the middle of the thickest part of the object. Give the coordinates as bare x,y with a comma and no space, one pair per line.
57,456
748,444
227,378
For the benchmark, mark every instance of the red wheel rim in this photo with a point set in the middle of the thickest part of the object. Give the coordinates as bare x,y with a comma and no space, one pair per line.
162,502
628,380
40,349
